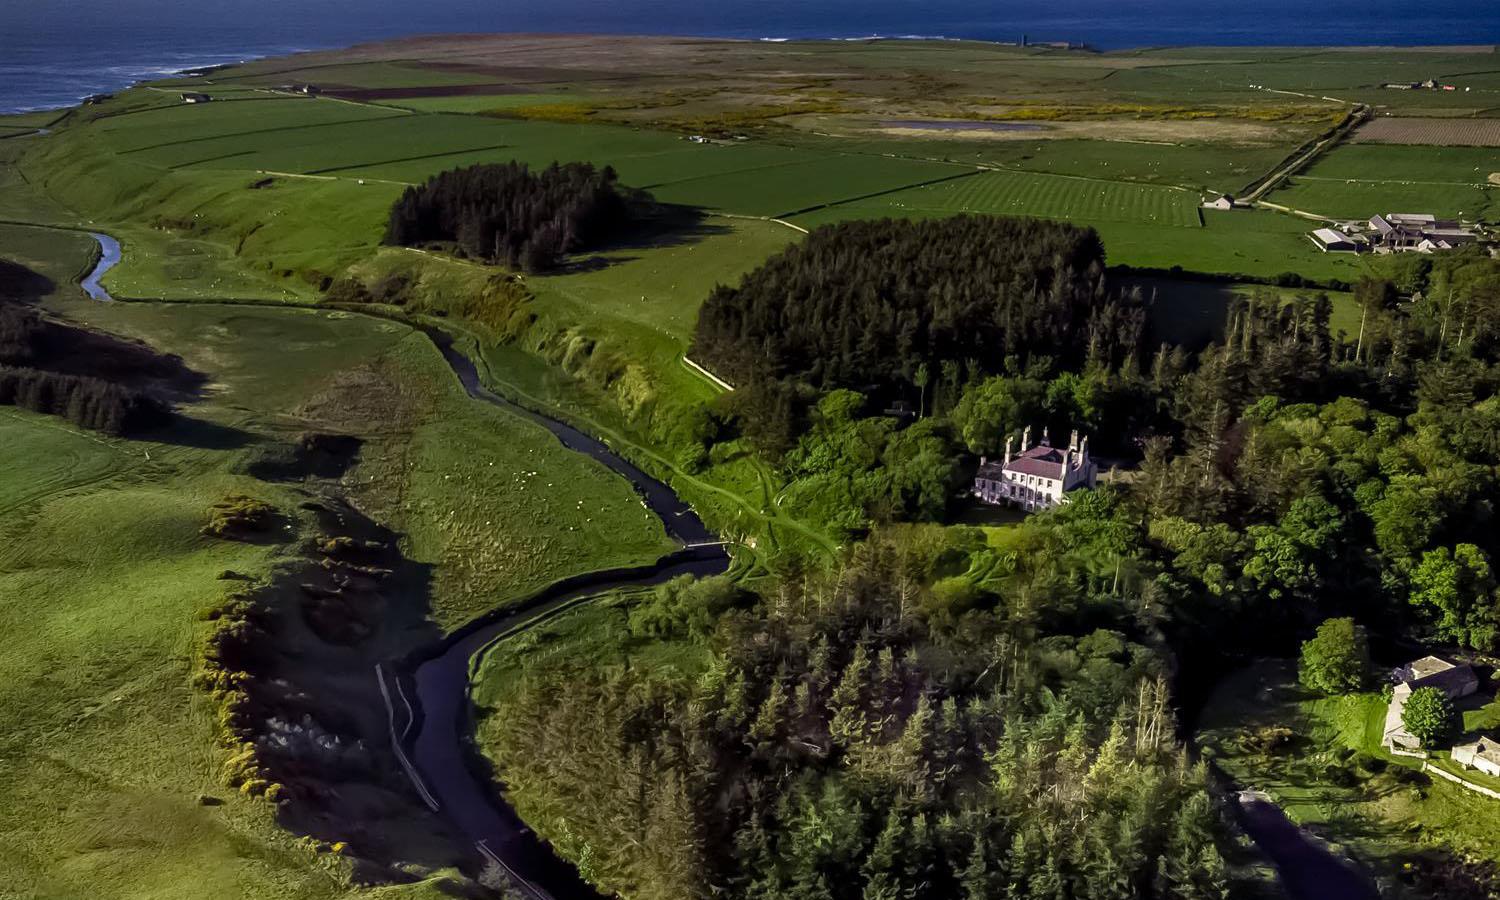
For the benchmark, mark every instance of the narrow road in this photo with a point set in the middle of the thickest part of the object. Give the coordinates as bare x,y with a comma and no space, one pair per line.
1355,118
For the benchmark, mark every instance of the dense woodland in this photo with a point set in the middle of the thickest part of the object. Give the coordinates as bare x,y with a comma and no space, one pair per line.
883,731
891,306
950,717
509,215
58,370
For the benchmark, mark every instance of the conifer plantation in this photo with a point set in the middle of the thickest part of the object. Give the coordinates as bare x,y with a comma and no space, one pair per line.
509,215
877,733
871,303
57,370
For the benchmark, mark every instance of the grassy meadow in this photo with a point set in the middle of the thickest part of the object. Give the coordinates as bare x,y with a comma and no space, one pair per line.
1357,181
108,748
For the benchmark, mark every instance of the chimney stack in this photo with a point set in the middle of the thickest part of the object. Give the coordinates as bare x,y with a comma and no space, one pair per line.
1026,439
1046,441
1073,442
1008,440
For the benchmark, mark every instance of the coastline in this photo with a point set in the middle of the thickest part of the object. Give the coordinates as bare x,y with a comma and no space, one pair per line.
46,74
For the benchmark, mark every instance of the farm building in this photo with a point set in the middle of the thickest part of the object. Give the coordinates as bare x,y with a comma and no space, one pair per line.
1223,201
1395,233
1483,754
194,97
1331,240
1037,478
1430,671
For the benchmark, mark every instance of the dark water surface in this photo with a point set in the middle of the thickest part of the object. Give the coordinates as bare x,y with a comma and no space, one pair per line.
52,52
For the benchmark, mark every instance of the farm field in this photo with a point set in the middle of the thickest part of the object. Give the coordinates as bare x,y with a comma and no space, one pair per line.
1360,180
1242,242
1336,778
1048,196
186,124
1436,132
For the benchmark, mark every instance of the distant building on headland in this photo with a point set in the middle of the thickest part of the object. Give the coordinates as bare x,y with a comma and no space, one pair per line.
195,97
1395,233
1431,84
1038,477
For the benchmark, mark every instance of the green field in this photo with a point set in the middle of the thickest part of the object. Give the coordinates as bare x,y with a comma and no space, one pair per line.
1357,181
1242,242
1045,196
107,746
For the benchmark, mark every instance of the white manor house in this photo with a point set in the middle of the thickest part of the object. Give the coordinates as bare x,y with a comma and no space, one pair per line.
1039,477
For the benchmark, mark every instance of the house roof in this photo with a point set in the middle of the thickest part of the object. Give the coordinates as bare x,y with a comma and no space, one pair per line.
1434,671
1427,665
1042,461
1332,236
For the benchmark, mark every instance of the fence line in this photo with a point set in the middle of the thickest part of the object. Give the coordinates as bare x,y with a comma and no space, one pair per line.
1462,782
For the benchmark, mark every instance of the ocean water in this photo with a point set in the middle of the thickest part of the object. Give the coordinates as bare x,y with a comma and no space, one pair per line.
53,52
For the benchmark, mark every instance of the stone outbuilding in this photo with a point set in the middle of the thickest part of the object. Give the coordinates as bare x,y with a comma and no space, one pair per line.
1483,755
1457,681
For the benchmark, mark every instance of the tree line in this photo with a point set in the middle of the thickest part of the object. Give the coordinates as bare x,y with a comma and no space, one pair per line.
506,214
35,363
885,306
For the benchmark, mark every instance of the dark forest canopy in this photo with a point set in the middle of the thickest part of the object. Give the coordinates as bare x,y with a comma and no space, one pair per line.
865,304
504,213
89,379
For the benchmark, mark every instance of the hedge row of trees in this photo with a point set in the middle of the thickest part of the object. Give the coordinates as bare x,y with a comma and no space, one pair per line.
86,402
505,213
30,377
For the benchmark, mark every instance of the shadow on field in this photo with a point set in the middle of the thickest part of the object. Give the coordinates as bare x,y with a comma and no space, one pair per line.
307,714
200,434
17,282
668,226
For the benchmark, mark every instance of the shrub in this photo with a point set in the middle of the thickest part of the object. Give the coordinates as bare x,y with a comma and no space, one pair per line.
684,607
237,514
1269,739
1431,717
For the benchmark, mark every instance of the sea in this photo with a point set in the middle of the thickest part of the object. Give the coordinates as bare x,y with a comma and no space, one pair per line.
54,52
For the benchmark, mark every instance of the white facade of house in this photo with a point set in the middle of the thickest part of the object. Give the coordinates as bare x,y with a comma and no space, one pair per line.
1483,755
1037,478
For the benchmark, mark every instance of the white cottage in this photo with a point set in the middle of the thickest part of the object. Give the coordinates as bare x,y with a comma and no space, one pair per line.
1039,477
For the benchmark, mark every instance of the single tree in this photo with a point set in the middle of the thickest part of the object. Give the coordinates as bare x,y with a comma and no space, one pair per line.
1460,588
1430,717
1337,659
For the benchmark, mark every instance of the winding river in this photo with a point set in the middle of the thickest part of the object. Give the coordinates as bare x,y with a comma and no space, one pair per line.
109,257
427,692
